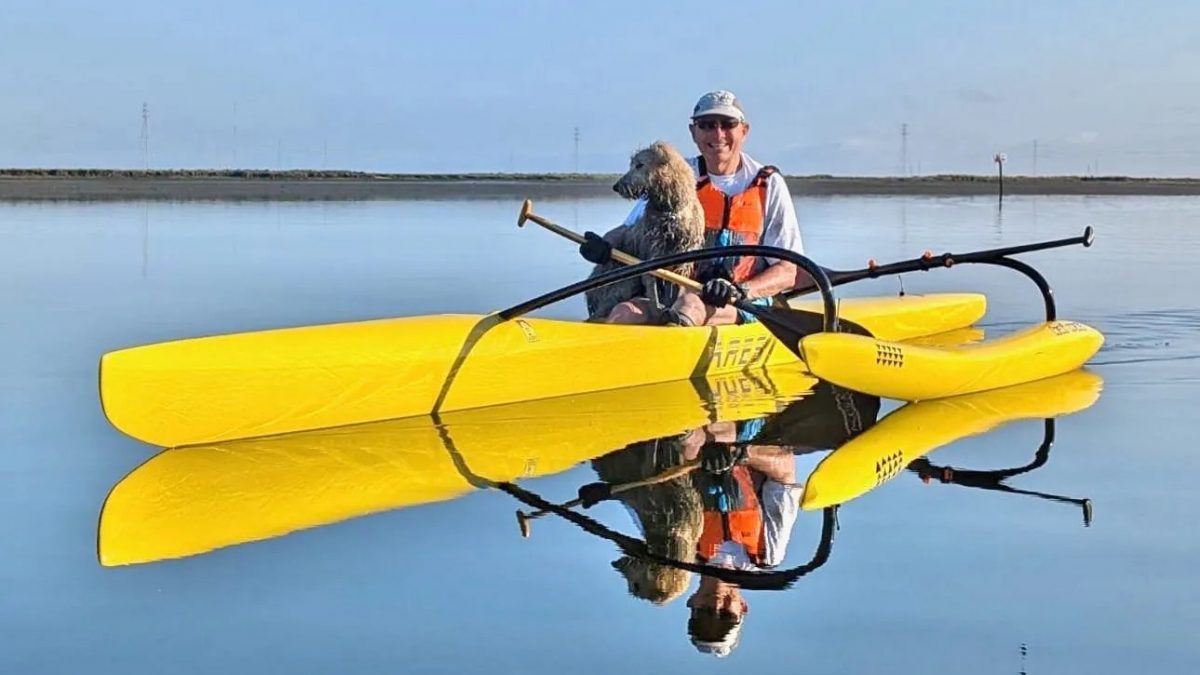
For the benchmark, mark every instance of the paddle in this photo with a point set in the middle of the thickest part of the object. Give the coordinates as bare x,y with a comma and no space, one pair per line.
993,479
772,579
787,324
593,493
929,261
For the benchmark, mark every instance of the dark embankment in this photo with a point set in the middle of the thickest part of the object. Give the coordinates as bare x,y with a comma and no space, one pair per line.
300,185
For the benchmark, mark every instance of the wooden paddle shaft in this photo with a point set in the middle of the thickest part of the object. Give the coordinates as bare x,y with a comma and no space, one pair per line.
620,256
669,474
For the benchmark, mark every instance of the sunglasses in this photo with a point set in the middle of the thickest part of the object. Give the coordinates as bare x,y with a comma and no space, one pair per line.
726,124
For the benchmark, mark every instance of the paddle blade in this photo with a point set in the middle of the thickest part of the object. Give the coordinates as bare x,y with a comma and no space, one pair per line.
790,325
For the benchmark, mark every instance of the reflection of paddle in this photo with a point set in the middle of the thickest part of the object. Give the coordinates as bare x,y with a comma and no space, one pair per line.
772,579
593,493
784,322
994,479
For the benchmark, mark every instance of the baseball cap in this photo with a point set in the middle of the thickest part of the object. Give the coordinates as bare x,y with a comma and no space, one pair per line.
716,633
719,102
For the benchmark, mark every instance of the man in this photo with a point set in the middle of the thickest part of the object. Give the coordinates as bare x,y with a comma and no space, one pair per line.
752,500
744,203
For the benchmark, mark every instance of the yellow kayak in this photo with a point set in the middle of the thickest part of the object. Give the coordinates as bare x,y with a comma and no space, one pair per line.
915,429
188,501
245,385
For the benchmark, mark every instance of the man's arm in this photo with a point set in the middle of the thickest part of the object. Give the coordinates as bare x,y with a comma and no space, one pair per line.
782,230
780,498
777,278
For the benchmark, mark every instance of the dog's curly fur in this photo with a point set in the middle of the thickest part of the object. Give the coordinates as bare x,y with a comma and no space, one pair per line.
671,515
672,222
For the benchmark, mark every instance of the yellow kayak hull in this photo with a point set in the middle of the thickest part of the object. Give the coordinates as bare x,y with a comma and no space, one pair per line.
225,387
192,500
908,372
883,451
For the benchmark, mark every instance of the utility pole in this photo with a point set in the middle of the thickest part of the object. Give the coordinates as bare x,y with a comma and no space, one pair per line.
576,149
904,149
1035,173
1000,158
145,135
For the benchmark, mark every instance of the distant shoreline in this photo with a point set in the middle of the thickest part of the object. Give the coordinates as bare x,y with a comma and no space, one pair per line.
308,185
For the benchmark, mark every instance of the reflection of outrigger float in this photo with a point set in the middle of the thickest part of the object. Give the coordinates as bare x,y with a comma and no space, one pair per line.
901,440
263,383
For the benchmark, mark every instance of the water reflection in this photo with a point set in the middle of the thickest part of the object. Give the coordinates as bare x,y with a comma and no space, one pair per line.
190,500
705,473
721,501
994,479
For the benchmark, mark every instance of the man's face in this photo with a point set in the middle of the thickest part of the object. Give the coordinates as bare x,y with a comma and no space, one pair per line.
718,596
719,138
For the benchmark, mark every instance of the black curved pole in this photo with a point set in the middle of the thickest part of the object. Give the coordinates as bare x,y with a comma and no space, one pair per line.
993,479
1029,271
629,271
765,580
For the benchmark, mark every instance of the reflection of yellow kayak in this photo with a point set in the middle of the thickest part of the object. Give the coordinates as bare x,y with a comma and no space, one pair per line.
225,387
187,501
883,451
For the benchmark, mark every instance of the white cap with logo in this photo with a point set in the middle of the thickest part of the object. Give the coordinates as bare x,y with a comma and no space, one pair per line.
720,102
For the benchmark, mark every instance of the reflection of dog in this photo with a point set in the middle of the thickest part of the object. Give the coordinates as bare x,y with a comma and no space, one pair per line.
672,222
671,516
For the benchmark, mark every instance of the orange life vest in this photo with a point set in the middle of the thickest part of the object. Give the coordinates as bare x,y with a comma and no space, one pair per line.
729,220
744,520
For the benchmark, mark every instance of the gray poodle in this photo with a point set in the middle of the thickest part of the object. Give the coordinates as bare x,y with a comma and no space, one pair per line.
672,222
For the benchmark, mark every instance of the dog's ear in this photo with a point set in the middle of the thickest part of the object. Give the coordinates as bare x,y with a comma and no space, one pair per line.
660,174
669,177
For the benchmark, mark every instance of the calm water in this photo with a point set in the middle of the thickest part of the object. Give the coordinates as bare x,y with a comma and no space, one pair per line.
922,578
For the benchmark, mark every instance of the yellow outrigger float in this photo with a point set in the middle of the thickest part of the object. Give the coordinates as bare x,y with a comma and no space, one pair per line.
187,501
264,383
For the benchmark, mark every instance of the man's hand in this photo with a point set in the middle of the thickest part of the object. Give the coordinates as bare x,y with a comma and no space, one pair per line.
717,457
594,493
720,292
595,249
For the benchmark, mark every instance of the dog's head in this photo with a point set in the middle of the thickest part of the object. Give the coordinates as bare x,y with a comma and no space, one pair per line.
652,170
654,582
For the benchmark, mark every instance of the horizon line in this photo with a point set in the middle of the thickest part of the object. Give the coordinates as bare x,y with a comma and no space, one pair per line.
305,173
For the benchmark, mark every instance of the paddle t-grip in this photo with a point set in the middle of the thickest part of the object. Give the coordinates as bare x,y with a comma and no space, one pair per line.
620,256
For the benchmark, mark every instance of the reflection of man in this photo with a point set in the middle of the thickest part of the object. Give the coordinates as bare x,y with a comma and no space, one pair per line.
751,501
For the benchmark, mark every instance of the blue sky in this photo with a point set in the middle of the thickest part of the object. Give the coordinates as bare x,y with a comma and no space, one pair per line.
460,85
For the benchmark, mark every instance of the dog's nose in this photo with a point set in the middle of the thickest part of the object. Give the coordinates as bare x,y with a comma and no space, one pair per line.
616,187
